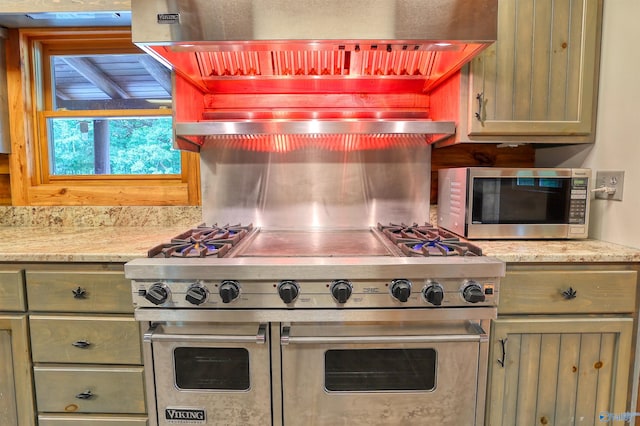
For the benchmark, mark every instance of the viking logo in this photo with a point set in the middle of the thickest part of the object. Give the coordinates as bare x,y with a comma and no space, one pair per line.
168,18
185,415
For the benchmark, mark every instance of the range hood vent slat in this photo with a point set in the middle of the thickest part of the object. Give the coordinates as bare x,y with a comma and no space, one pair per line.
317,63
281,143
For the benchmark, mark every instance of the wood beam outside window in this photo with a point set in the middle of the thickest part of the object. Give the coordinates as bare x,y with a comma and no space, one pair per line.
88,70
159,72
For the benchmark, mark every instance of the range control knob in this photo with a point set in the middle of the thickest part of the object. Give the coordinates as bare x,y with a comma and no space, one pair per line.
434,293
229,291
472,292
157,294
341,290
401,289
288,291
196,294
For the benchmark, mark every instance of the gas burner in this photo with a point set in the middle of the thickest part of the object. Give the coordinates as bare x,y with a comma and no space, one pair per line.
203,241
227,233
399,233
439,247
427,240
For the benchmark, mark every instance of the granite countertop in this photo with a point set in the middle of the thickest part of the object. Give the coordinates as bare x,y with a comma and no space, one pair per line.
123,243
82,244
558,251
119,234
89,234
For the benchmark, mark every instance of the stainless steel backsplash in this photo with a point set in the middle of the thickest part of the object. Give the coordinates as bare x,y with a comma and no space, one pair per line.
314,188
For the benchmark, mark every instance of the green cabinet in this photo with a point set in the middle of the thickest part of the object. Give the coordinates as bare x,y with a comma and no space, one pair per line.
16,393
537,83
561,348
558,371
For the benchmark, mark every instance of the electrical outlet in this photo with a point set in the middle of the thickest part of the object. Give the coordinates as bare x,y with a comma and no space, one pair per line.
609,185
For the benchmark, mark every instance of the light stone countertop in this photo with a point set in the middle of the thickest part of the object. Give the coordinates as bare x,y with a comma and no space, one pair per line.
123,243
89,233
119,234
575,251
81,244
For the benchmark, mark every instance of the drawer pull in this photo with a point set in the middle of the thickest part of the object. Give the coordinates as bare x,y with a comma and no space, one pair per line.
569,294
85,395
82,344
79,293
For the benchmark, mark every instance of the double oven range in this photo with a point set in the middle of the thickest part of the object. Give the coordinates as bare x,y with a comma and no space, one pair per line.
312,120
379,326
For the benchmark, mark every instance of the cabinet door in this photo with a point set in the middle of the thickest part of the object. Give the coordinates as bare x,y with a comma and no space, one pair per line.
16,395
12,291
551,371
540,77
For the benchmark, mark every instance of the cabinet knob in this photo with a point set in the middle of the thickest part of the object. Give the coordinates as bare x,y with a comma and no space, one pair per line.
569,293
79,293
85,395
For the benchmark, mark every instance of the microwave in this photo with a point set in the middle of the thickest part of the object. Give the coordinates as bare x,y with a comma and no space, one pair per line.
512,203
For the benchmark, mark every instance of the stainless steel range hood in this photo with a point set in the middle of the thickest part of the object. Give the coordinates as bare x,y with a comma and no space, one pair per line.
309,67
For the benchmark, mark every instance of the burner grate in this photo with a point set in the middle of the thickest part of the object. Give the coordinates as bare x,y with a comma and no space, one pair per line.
203,241
427,240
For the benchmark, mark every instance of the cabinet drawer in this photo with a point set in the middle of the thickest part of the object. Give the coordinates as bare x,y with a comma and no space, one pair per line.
91,420
11,291
85,339
70,291
550,292
94,389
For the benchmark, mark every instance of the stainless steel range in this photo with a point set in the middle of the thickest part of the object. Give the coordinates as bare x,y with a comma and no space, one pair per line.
251,326
312,120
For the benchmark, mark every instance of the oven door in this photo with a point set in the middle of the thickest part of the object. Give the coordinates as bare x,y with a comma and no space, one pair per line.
383,374
209,374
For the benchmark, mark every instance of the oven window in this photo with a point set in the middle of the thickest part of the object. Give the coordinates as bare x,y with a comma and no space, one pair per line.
366,370
211,368
521,200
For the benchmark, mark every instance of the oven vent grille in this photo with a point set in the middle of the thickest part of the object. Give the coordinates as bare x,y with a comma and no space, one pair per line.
337,142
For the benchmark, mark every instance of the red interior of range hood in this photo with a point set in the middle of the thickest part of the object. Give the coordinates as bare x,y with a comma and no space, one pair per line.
398,67
388,85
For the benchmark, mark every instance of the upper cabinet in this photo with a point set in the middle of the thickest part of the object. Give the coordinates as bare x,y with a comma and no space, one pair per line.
537,83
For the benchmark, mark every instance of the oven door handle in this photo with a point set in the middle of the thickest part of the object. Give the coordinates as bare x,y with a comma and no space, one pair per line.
286,338
260,337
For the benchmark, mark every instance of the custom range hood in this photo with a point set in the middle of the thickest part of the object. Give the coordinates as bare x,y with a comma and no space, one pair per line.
282,74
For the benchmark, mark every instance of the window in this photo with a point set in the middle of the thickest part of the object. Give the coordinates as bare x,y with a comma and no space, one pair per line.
101,123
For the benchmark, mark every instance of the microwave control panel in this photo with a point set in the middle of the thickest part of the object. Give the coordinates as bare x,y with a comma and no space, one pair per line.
579,199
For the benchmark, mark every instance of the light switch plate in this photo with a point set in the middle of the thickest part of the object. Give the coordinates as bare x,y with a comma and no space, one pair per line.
609,179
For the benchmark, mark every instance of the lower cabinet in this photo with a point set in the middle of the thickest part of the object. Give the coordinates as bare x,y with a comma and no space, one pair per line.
558,371
85,347
16,394
16,400
561,348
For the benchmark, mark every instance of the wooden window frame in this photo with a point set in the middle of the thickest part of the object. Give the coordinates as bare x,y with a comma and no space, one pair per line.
31,104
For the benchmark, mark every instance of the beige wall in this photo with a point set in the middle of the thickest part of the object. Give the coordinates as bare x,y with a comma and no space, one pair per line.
617,144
